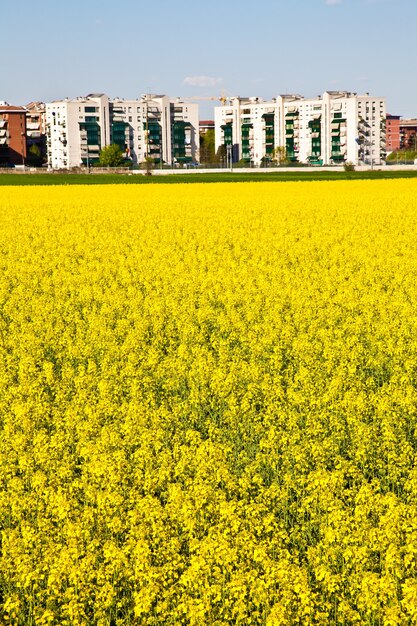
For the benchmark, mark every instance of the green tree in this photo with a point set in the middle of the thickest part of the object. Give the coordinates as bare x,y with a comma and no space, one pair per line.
111,156
148,165
207,147
34,156
221,154
280,155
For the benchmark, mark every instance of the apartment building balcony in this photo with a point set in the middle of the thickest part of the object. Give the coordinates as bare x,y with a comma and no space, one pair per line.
33,130
338,149
90,149
154,117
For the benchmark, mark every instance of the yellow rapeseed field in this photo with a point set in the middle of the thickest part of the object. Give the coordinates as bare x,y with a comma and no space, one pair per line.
208,404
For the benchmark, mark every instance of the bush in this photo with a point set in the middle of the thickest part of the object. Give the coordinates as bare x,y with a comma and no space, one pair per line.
112,156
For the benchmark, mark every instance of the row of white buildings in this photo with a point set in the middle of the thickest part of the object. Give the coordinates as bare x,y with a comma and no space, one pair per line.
152,126
334,128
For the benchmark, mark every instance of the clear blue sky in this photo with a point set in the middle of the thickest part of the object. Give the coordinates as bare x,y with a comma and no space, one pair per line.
51,49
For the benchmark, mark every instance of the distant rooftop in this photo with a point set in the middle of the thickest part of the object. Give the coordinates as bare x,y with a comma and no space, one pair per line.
8,108
147,96
292,96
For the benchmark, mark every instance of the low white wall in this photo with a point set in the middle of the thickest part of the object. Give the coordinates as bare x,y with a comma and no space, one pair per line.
266,170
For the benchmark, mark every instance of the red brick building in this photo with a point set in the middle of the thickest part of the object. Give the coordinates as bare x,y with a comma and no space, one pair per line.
12,135
205,125
408,134
393,132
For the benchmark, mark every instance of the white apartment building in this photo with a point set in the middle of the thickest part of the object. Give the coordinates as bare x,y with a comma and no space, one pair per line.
151,126
76,130
334,128
155,126
185,128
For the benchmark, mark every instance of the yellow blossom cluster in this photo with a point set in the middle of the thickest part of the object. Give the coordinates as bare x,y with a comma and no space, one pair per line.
208,407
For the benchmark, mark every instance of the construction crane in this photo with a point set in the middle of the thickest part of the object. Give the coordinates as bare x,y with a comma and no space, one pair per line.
223,99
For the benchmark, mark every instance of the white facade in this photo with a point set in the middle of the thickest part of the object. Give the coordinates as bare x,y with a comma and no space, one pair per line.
245,121
185,132
145,125
334,128
76,130
151,126
158,128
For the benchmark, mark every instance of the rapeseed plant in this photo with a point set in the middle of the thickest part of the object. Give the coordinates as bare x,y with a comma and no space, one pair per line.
208,404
